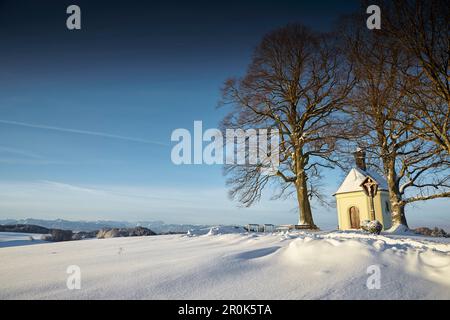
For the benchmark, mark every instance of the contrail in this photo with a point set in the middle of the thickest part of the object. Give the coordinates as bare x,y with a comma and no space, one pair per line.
86,132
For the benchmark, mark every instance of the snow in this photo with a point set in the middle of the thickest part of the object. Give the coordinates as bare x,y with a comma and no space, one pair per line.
227,263
400,229
12,239
216,230
356,177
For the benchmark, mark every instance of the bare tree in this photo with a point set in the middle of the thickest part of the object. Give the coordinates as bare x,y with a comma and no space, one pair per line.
421,28
296,83
380,105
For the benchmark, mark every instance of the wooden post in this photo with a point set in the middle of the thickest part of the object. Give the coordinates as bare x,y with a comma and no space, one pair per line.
370,188
372,208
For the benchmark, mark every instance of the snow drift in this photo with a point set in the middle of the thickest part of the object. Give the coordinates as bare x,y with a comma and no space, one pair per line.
297,265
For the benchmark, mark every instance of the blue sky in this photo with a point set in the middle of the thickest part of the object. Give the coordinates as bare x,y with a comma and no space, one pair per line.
86,116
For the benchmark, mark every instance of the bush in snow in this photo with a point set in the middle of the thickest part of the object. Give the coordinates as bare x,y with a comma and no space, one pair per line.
374,226
58,235
84,235
61,235
436,232
124,232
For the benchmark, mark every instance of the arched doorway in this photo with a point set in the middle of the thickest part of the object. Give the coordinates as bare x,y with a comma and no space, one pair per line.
354,218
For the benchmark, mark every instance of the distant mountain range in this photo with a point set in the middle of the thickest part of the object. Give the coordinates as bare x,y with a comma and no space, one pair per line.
156,226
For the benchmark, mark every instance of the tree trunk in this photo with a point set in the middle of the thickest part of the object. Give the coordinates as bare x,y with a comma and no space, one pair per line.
398,213
305,214
395,197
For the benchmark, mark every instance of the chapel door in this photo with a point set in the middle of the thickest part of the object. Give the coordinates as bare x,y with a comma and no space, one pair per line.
354,218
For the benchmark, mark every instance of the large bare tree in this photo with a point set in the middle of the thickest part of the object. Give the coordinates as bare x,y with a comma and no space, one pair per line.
421,28
386,122
295,83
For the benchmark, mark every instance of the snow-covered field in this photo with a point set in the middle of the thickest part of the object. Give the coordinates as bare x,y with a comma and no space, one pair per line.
212,265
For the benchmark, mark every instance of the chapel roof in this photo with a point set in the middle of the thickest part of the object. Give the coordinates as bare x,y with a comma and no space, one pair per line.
356,177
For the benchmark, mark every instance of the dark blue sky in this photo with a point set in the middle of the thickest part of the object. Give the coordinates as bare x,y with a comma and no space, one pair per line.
79,109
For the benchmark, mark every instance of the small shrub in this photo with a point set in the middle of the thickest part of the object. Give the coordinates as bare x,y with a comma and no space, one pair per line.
436,232
61,235
373,227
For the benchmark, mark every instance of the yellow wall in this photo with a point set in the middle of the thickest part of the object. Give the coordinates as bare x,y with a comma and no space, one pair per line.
359,199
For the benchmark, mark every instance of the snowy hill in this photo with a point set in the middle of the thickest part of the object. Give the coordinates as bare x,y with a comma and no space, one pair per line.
222,265
12,239
156,226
